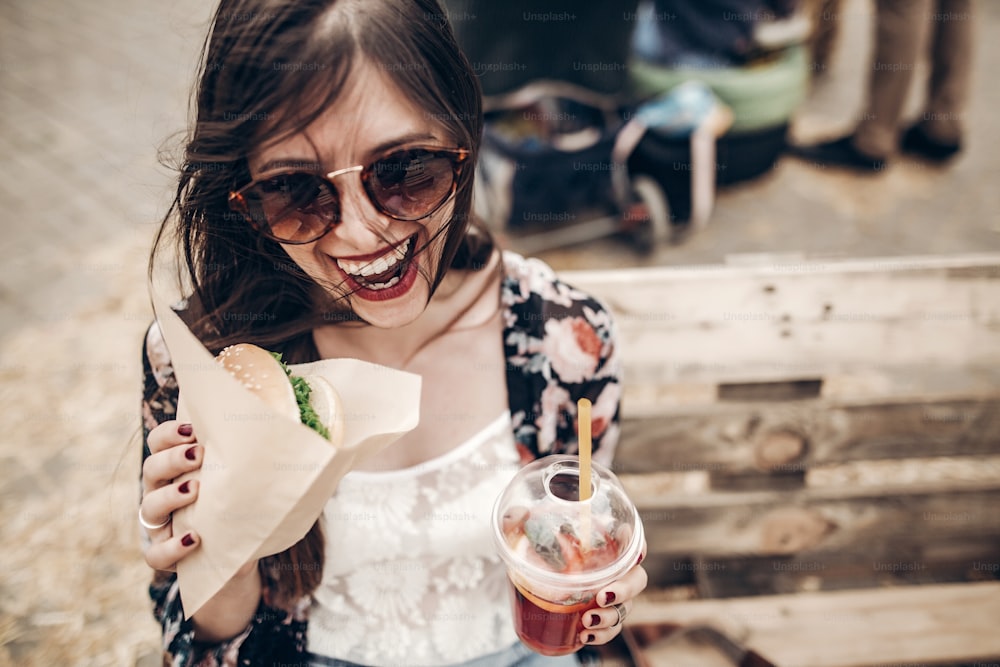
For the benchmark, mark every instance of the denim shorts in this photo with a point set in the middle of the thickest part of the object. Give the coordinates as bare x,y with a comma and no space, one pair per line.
517,655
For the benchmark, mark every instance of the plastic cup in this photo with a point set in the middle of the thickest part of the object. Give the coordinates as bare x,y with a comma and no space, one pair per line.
560,551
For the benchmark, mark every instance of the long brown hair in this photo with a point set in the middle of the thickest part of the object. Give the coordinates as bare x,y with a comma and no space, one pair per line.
268,69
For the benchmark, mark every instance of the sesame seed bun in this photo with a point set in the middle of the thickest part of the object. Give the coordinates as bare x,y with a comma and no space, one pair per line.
265,376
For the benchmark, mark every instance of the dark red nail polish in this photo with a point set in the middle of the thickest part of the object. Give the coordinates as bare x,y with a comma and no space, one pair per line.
187,540
590,638
191,453
185,430
594,620
609,598
185,487
639,562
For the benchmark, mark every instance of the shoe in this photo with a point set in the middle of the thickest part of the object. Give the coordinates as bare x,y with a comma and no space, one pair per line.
916,141
839,153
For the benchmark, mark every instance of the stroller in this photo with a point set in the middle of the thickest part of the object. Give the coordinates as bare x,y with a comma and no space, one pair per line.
560,130
569,155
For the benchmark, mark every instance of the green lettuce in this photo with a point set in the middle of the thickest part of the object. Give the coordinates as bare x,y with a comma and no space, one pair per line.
302,390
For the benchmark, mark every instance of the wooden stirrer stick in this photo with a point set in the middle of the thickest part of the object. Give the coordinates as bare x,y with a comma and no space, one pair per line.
585,446
583,426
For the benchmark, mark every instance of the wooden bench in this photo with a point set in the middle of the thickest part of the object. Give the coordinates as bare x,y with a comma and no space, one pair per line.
815,450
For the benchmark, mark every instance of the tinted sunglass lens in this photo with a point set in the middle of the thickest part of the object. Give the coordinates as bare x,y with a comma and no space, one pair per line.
412,184
297,207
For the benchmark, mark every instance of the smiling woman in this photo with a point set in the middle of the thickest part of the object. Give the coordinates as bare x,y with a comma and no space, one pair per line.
411,168
326,186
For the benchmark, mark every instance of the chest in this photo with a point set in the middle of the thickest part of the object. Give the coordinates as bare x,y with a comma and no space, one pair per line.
464,389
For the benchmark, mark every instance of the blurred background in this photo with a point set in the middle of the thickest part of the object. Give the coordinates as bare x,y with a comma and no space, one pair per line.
90,93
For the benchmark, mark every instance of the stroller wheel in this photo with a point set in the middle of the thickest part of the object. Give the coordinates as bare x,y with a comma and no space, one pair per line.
648,218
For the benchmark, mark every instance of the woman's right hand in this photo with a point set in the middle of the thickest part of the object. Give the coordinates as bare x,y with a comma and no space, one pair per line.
174,450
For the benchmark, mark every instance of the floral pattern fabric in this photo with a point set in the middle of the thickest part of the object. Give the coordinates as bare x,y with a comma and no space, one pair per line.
559,345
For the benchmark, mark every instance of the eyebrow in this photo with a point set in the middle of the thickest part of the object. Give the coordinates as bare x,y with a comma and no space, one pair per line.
312,165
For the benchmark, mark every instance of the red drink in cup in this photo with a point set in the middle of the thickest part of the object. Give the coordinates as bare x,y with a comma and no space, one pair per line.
546,627
560,551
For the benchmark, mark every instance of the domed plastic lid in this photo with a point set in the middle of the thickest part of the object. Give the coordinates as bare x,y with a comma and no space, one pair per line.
547,536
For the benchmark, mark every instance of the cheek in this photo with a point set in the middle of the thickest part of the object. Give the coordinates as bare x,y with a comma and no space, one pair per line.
305,258
437,232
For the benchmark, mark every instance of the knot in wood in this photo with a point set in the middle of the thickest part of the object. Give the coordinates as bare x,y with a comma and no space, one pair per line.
790,530
778,448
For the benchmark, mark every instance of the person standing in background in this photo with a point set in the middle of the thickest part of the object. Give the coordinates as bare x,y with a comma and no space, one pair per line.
901,28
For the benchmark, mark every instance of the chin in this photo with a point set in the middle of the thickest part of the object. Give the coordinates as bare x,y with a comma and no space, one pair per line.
390,315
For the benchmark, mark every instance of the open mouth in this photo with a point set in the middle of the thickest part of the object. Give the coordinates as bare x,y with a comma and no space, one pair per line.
384,277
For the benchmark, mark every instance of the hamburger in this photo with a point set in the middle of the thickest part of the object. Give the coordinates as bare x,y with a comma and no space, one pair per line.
310,399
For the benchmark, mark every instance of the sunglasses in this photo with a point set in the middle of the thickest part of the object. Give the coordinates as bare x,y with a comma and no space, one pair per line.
297,207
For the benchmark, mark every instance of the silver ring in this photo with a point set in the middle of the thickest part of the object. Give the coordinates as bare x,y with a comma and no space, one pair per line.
622,613
151,526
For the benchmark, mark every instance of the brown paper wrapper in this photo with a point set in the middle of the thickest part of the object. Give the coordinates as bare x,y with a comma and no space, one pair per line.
265,478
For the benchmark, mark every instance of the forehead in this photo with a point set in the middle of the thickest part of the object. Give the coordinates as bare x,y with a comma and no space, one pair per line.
369,115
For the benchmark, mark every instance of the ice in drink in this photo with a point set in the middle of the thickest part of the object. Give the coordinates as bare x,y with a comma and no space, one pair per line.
560,551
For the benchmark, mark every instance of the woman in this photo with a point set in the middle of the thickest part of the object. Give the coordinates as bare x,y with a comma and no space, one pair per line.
323,211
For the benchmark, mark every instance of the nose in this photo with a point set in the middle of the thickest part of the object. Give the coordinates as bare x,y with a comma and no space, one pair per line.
361,227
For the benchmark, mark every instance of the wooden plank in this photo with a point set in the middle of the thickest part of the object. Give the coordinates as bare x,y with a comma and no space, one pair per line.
808,320
896,564
652,389
914,625
797,435
679,650
848,518
879,290
743,353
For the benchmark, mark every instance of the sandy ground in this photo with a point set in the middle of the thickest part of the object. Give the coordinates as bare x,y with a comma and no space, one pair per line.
87,95
73,577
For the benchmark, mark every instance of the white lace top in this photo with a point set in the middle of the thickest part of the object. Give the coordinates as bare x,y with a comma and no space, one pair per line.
411,576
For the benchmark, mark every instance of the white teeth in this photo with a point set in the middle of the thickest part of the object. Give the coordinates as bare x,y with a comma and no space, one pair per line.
380,265
380,286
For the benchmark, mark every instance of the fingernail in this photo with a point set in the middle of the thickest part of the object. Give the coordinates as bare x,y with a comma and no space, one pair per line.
609,598
187,540
590,638
185,430
594,620
639,562
191,453
185,487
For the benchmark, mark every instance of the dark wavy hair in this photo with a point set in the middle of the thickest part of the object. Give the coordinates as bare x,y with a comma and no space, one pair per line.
269,68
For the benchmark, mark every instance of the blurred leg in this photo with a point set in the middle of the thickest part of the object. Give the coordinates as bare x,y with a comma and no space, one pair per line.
901,27
825,16
951,57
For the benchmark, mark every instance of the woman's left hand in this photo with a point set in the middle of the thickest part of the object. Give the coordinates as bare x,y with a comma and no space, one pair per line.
615,600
